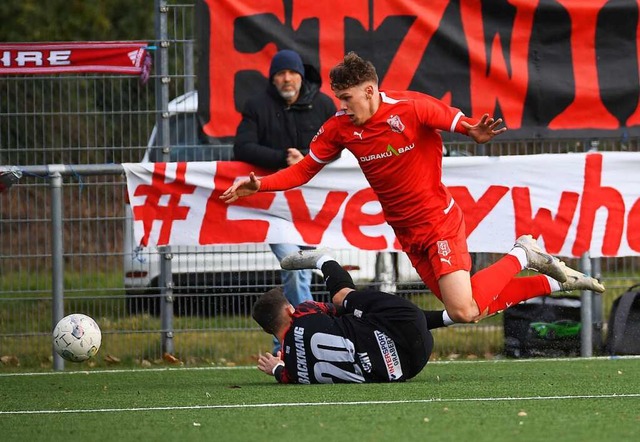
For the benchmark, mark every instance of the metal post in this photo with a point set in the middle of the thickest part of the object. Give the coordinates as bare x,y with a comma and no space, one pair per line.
162,80
591,313
586,312
598,314
166,300
189,67
57,270
162,122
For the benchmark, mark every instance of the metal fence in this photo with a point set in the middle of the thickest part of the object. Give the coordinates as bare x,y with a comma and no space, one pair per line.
63,231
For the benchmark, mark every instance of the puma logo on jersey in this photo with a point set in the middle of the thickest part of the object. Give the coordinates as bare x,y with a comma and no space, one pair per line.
447,260
358,134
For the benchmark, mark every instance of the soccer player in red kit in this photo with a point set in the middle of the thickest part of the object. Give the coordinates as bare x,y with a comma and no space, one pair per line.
394,136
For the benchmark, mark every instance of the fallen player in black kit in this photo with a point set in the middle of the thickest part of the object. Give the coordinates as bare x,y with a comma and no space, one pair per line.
363,336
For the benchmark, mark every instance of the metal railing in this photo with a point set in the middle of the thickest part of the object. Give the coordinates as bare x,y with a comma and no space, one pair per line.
62,227
166,329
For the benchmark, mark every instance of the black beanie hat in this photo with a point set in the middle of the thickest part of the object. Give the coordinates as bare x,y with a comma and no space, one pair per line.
286,59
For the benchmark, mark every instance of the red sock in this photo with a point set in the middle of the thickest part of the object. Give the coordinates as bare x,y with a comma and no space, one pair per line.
518,290
487,284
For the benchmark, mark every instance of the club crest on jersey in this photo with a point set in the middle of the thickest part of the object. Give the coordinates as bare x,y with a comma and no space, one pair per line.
443,248
396,124
320,132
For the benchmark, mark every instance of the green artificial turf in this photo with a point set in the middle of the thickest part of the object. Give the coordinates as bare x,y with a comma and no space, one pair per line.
536,400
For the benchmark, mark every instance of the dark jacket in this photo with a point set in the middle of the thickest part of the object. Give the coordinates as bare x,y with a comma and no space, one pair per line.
269,127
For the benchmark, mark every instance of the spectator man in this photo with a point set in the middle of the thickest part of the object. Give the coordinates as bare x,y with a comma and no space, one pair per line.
275,132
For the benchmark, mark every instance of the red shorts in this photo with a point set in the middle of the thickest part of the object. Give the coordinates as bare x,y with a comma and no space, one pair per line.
436,250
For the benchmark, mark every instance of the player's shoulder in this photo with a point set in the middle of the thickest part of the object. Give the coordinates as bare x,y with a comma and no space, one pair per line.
313,307
335,123
413,101
404,97
400,96
307,307
399,101
340,116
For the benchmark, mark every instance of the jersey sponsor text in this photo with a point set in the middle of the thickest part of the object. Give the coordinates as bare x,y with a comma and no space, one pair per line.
390,355
391,151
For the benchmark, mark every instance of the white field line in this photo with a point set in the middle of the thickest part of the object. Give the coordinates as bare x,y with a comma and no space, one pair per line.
324,404
253,367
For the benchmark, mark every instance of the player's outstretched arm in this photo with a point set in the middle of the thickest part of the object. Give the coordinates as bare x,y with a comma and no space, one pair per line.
268,362
242,188
485,129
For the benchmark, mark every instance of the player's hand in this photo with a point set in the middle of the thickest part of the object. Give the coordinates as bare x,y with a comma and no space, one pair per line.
267,362
293,156
485,129
241,189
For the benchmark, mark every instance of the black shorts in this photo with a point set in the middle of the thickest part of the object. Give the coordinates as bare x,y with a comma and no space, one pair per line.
401,320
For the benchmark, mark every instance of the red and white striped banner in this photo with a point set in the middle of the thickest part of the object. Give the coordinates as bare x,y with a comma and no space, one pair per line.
68,57
574,203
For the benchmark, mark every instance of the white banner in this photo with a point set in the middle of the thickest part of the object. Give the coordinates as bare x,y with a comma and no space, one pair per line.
573,203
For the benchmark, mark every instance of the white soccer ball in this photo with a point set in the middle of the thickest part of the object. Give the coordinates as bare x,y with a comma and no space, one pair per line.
77,337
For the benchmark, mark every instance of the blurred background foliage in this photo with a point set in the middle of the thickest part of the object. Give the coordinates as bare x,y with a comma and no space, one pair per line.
76,20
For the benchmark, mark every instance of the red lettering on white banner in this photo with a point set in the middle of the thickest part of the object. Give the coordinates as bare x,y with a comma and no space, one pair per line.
153,210
582,203
217,228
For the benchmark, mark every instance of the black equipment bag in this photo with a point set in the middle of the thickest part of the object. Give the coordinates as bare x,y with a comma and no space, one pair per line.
623,331
544,326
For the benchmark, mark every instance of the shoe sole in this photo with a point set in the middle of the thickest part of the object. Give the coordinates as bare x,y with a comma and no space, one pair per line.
302,260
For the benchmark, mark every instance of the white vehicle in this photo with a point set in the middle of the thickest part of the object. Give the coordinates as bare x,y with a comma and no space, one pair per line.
220,278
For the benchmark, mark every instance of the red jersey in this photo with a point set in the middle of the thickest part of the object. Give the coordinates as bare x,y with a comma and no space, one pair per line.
398,149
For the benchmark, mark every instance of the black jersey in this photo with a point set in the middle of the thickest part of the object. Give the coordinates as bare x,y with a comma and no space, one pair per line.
328,344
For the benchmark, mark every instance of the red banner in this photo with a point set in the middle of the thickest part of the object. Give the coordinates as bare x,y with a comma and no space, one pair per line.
72,57
548,67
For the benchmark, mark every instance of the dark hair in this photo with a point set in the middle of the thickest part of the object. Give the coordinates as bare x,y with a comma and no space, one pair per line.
352,71
267,310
